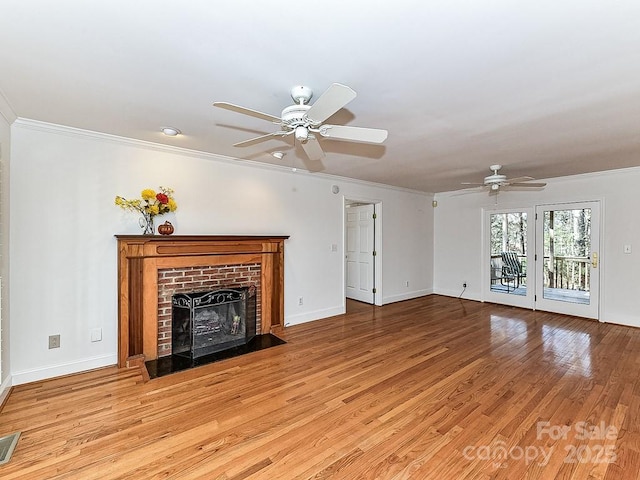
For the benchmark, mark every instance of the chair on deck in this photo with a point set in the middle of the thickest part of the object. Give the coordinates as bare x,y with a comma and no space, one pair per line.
512,271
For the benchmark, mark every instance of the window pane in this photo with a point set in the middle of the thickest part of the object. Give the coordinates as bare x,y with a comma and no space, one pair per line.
508,247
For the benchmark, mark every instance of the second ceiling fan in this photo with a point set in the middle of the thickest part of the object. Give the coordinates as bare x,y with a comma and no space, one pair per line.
305,122
496,181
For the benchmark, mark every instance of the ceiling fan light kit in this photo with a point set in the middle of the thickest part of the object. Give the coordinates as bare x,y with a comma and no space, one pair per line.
302,134
303,120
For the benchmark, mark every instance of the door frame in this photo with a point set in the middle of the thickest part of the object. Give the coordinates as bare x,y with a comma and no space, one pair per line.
377,261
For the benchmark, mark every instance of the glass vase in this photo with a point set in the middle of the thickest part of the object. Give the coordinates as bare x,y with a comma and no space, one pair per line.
146,223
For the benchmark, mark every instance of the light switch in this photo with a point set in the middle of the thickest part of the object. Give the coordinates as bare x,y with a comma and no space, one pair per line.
627,249
96,335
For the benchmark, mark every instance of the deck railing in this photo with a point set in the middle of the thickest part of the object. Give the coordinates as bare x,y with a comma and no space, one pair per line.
572,273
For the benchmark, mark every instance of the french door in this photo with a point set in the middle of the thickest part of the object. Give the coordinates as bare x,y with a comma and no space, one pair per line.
509,256
568,259
544,258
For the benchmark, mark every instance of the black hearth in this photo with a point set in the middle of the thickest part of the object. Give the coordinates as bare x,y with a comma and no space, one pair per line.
211,326
204,323
175,363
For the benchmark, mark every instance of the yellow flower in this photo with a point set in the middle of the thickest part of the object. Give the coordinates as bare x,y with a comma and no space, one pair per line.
151,204
148,194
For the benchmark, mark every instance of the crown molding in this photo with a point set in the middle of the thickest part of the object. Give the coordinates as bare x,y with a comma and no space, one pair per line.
590,175
38,125
598,175
6,110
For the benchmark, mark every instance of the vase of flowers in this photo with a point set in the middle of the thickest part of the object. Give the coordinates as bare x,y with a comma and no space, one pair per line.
146,223
149,205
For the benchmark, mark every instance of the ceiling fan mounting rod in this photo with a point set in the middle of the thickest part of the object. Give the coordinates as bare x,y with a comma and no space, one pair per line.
301,94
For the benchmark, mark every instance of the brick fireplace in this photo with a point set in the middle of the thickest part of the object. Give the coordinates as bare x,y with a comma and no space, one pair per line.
151,268
200,279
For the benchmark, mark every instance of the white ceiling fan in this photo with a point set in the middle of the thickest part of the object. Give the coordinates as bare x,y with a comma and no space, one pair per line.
496,181
304,121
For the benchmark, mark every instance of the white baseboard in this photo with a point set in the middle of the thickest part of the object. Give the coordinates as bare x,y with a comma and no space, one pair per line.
59,370
406,296
5,388
626,320
331,312
315,315
458,294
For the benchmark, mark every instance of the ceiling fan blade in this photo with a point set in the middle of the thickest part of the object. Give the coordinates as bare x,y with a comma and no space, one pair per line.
247,111
333,99
466,191
527,184
511,181
261,138
353,134
313,149
473,183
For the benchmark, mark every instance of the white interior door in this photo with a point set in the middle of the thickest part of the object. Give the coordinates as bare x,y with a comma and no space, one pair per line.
360,242
568,258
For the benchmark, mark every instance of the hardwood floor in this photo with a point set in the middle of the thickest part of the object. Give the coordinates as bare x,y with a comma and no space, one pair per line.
432,388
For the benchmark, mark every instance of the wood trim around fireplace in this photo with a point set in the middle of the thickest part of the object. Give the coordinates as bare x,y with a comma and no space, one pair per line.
141,256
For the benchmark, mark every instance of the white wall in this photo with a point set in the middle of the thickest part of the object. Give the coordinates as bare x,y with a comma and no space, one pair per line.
5,151
458,222
63,221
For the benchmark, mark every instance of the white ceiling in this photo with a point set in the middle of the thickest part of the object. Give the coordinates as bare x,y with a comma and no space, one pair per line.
546,88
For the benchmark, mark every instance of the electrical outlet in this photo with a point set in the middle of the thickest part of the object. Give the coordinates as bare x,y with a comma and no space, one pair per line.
406,283
464,284
54,341
300,301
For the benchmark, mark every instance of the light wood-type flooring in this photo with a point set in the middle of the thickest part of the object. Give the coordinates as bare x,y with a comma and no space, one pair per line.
431,388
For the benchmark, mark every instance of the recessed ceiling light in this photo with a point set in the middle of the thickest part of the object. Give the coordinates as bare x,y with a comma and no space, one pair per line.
171,131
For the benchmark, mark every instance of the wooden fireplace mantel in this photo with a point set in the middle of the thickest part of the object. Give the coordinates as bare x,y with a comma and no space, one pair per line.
141,256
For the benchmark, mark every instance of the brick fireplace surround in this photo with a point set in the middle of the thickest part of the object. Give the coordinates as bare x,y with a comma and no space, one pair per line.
153,267
200,279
